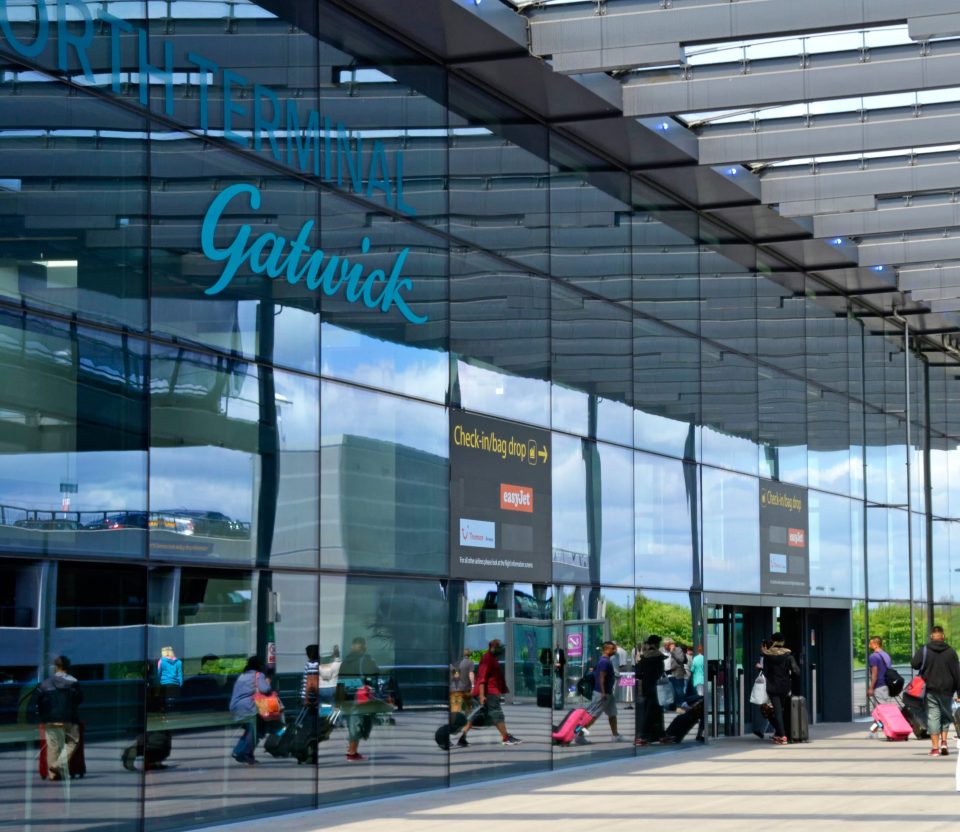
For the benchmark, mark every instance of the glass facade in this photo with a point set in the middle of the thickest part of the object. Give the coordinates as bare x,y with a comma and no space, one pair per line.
248,271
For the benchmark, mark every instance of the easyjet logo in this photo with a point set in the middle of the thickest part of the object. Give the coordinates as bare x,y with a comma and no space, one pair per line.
797,537
516,498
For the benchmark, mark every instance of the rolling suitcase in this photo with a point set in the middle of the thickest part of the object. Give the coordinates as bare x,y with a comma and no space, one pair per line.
456,722
914,712
77,764
573,723
894,726
799,730
682,723
154,747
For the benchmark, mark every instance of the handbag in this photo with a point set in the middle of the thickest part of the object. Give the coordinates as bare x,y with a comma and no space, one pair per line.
758,694
918,685
665,695
268,705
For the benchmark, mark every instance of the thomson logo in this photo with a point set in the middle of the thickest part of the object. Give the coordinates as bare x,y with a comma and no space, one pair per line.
516,498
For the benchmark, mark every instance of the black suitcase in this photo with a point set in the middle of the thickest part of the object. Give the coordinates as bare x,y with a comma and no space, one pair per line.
544,697
799,730
154,747
682,723
454,724
915,713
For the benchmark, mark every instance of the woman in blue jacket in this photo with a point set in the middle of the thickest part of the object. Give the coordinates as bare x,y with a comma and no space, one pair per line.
170,674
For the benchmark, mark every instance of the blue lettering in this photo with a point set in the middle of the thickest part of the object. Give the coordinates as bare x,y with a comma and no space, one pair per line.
65,39
205,67
327,175
147,70
265,254
310,137
260,126
116,26
354,164
231,108
43,31
234,253
378,177
401,203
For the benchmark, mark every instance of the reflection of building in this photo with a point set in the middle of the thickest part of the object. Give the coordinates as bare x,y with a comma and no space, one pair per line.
690,307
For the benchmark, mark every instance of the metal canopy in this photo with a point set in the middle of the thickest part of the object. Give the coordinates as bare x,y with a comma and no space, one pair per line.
846,115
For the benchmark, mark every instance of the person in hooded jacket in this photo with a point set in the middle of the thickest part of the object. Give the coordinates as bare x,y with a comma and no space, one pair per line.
778,667
649,713
940,668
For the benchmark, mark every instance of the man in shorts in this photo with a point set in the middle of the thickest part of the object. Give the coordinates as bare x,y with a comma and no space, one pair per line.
490,686
604,700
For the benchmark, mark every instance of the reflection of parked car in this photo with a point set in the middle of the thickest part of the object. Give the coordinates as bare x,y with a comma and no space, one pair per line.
202,523
169,521
120,520
49,525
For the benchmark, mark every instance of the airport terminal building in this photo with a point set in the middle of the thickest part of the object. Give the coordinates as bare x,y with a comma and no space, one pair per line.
415,324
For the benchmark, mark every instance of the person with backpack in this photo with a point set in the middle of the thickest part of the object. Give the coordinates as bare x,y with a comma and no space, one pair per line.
778,667
940,670
58,699
358,673
881,678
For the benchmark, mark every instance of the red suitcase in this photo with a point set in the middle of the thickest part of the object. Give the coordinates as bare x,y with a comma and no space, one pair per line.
894,726
77,764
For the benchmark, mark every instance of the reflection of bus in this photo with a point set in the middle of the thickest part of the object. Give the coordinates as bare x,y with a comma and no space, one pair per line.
524,606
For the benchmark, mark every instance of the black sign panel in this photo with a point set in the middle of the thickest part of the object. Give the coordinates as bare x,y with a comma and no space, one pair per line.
500,508
784,552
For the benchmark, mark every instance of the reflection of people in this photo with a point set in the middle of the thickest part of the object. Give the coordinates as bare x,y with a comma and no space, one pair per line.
696,672
490,686
329,671
675,660
649,713
170,676
58,702
604,700
461,683
938,665
778,665
242,706
310,682
357,671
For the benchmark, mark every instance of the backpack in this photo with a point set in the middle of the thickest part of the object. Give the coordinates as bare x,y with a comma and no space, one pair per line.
586,685
893,680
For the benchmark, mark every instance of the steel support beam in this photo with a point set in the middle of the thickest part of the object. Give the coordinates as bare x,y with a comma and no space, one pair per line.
579,27
793,79
935,172
827,135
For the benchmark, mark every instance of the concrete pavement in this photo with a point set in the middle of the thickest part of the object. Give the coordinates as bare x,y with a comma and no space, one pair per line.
841,780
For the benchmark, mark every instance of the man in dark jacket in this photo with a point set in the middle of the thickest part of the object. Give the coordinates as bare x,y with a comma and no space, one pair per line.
58,701
940,668
778,666
649,713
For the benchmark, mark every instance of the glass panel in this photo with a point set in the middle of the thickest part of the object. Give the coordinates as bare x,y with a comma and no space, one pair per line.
592,528
71,659
385,482
831,549
73,461
667,517
887,555
596,643
731,532
520,617
403,659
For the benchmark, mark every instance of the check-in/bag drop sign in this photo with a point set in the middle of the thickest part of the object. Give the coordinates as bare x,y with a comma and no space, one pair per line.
500,505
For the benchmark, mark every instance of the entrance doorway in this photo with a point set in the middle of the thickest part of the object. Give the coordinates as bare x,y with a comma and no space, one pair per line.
820,640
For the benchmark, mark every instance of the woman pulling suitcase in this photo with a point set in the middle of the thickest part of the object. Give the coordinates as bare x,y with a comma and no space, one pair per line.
778,667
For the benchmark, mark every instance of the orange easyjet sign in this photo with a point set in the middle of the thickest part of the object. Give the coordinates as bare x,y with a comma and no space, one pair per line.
516,498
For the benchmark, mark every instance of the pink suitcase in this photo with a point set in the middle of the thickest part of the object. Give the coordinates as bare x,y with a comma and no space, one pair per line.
895,727
572,723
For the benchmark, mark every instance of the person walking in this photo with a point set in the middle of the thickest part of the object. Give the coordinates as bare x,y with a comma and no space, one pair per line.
778,667
462,677
58,701
940,669
357,672
697,673
604,700
649,713
170,676
675,661
490,686
251,681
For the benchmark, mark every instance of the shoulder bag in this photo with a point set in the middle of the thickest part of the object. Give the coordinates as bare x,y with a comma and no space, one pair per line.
268,705
918,686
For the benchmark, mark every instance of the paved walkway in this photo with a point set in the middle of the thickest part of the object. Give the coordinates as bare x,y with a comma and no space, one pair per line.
841,780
